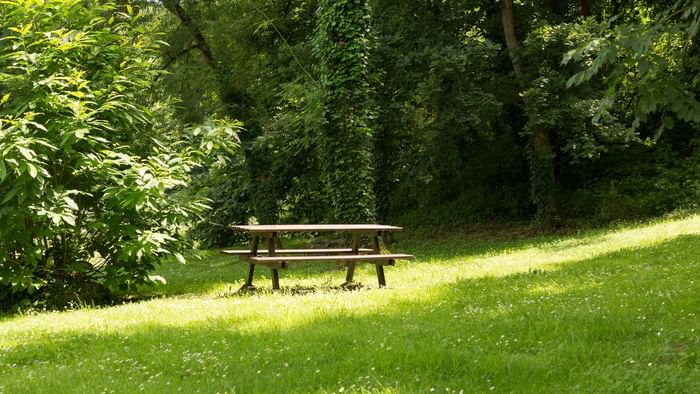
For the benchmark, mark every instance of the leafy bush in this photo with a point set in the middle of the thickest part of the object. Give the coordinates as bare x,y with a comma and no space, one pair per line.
229,191
86,178
639,182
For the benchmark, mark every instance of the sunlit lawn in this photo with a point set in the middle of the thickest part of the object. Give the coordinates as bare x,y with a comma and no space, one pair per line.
603,311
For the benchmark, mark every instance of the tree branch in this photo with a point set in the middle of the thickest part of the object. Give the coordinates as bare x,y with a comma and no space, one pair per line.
176,9
172,59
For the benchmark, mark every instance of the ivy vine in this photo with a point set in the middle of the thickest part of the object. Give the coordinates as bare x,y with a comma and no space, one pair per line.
342,43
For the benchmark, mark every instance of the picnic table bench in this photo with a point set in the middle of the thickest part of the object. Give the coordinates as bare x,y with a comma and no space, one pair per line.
277,257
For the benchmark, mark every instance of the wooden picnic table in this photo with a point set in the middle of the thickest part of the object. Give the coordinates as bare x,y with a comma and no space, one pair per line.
277,258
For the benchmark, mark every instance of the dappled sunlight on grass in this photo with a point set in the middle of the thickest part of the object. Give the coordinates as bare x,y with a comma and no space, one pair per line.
281,311
548,289
547,254
255,313
618,316
437,261
259,310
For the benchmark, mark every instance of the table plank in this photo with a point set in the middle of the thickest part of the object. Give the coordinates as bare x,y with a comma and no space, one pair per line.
270,228
237,252
350,257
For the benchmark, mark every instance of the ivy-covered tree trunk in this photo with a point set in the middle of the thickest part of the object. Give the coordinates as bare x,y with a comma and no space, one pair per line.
541,154
342,44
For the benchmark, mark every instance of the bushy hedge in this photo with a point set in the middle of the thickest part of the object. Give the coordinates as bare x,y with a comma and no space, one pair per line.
86,179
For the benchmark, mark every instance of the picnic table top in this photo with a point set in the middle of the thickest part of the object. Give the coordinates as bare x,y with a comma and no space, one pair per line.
269,228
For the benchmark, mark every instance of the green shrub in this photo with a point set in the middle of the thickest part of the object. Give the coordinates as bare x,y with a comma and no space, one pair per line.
229,191
643,181
86,179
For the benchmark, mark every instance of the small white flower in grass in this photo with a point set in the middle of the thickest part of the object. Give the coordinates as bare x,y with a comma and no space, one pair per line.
340,390
318,371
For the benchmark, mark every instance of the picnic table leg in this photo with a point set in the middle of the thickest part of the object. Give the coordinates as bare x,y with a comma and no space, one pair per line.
249,280
349,274
380,275
272,241
275,279
251,267
376,249
351,266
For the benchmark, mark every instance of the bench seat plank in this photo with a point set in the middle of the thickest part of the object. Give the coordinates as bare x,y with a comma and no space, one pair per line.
263,228
246,252
350,257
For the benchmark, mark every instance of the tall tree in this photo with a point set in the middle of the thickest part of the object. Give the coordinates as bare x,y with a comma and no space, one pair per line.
542,176
343,46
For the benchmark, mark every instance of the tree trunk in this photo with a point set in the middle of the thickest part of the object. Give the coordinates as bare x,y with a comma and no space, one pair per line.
347,137
511,39
541,157
176,9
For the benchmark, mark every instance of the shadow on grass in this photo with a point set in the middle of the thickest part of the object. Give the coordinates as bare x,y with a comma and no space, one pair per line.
619,322
210,270
295,290
223,274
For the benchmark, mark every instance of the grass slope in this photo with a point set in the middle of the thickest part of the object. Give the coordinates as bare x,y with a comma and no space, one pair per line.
604,311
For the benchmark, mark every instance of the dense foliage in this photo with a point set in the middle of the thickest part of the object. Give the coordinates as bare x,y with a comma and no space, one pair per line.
410,112
86,177
478,110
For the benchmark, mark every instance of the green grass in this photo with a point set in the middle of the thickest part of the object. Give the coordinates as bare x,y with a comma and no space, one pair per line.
603,311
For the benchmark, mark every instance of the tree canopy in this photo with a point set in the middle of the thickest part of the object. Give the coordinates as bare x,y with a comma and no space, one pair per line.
478,110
